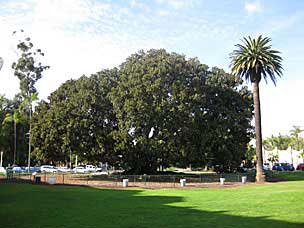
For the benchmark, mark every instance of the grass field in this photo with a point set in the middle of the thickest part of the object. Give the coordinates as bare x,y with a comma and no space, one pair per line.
270,205
289,176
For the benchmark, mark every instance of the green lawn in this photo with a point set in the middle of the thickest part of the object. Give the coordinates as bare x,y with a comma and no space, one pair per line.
270,205
289,176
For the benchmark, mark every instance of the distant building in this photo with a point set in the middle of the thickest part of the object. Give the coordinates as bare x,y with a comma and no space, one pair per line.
289,156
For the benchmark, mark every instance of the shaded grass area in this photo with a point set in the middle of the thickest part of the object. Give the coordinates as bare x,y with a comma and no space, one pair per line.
270,205
288,176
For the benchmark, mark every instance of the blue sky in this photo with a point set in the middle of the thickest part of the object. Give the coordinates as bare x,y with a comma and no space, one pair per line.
83,36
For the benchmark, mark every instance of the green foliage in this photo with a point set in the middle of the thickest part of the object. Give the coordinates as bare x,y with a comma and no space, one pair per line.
273,158
28,68
175,111
250,155
12,130
255,59
297,141
5,109
78,119
158,109
282,142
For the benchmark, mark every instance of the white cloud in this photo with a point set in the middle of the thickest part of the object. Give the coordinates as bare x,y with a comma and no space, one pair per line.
163,13
253,7
77,36
282,23
176,4
139,5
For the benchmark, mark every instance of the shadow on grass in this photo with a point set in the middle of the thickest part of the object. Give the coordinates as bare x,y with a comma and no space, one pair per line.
24,205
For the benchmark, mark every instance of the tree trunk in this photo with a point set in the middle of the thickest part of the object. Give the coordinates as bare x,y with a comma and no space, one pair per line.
15,141
30,139
260,176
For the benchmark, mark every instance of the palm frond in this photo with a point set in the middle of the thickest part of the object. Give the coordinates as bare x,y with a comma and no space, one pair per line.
255,59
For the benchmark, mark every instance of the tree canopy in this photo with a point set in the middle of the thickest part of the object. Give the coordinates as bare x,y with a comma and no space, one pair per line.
78,119
157,109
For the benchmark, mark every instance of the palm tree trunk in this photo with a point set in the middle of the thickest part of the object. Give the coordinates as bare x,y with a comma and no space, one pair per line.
260,176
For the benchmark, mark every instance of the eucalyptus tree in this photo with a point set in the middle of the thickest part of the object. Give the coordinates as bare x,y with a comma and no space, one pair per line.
28,69
253,60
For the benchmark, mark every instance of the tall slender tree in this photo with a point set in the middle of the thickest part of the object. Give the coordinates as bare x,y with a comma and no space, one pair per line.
253,60
28,69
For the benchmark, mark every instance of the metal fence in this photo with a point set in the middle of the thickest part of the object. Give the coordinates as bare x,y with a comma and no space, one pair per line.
142,181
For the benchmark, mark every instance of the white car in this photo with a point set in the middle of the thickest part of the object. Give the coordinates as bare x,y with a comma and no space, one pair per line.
90,168
79,169
64,169
48,169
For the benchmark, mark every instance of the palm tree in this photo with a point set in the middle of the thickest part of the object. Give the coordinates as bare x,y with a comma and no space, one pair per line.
16,118
295,133
252,60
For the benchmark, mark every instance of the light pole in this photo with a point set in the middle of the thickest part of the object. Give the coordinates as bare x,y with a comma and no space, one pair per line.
70,159
1,158
30,139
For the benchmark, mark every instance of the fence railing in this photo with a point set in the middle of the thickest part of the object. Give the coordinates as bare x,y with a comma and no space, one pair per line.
145,181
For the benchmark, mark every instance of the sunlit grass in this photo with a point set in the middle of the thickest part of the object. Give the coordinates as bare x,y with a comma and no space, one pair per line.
269,205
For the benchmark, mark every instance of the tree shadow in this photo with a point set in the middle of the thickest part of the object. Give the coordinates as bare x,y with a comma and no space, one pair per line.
49,206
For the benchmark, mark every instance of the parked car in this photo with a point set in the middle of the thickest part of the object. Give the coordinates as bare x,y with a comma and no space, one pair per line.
48,169
79,169
32,169
64,169
266,166
300,166
99,169
18,169
283,167
90,168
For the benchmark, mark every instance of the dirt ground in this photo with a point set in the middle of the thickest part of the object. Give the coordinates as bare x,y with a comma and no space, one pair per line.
79,180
